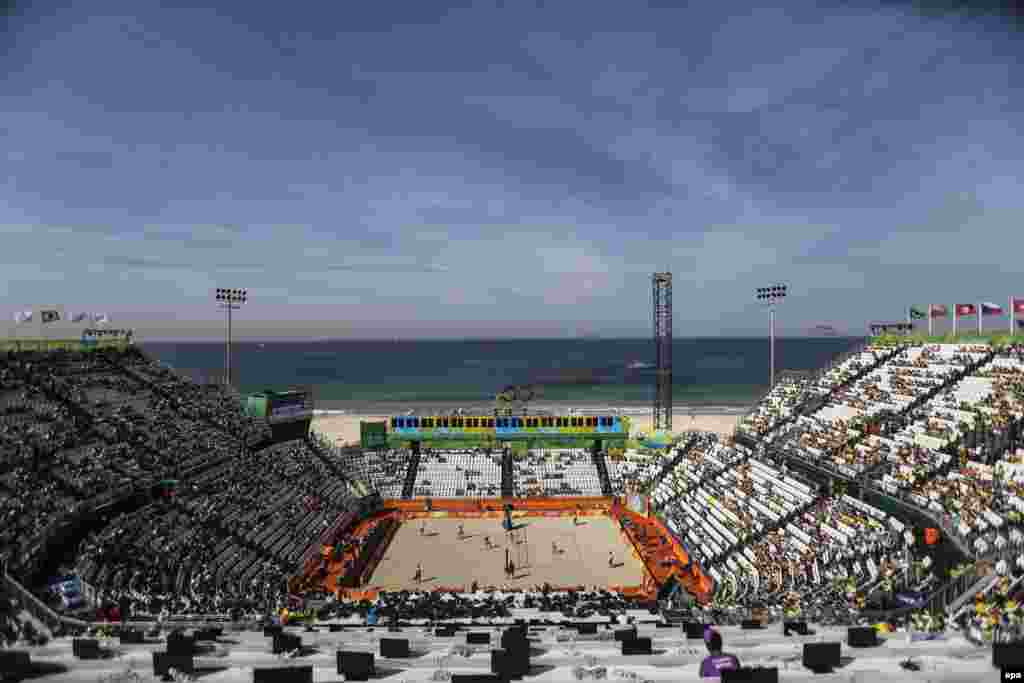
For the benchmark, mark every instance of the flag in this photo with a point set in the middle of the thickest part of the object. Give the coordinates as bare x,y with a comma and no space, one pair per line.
917,314
80,317
22,317
939,310
1018,306
966,310
49,316
989,308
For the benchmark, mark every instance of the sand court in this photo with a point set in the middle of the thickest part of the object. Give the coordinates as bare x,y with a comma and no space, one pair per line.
580,556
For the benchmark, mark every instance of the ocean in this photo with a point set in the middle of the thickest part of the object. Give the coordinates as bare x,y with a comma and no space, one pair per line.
713,375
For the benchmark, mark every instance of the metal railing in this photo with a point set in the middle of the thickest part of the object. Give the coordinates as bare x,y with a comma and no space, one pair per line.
36,607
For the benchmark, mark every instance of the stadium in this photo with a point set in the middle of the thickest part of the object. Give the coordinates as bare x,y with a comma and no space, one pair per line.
146,515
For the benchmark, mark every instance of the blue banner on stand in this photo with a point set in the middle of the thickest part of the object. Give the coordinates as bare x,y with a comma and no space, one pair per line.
915,600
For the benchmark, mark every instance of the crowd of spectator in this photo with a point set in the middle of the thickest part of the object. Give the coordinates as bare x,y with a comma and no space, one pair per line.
883,397
636,469
789,393
934,424
384,471
773,418
699,460
235,532
458,474
480,604
560,472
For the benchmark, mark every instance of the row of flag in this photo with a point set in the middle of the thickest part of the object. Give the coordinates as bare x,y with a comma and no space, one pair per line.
981,310
52,316
963,310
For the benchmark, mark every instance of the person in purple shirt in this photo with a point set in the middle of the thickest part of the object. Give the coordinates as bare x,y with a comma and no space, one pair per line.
716,661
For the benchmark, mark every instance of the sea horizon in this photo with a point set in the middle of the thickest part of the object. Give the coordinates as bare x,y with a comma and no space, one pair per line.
428,340
723,374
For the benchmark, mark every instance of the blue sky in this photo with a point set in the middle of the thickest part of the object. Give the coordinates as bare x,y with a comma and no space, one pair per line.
480,168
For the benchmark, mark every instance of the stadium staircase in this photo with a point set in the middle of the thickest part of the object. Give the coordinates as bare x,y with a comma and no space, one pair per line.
704,479
227,533
681,452
982,585
326,459
86,425
825,472
602,472
174,401
508,489
787,447
408,488
754,538
812,403
924,398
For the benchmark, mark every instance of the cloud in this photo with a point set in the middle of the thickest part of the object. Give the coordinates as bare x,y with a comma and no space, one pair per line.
853,152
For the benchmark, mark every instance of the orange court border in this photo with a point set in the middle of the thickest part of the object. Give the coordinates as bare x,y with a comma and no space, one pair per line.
656,552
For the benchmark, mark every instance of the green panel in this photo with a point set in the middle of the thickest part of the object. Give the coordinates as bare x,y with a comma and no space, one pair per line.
256,406
373,434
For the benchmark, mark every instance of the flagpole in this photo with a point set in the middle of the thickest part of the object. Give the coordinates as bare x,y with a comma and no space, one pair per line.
1013,316
981,314
929,320
956,317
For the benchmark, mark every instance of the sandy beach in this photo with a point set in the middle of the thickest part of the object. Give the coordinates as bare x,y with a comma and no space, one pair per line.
344,429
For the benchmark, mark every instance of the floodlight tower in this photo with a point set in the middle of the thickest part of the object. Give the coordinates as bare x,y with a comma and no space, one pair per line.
771,296
229,300
661,286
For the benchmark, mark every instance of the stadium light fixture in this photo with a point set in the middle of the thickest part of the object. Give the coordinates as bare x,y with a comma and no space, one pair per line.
229,300
771,296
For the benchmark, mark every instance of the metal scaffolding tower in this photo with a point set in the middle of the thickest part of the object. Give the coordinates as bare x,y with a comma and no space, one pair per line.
661,284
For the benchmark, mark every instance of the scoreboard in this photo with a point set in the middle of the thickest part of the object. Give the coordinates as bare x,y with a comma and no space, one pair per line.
281,406
291,405
507,428
582,427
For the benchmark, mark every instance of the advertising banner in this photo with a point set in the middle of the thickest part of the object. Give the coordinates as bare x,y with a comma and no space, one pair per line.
69,588
912,599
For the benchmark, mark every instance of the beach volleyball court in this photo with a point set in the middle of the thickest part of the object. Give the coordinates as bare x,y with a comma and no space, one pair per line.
580,556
